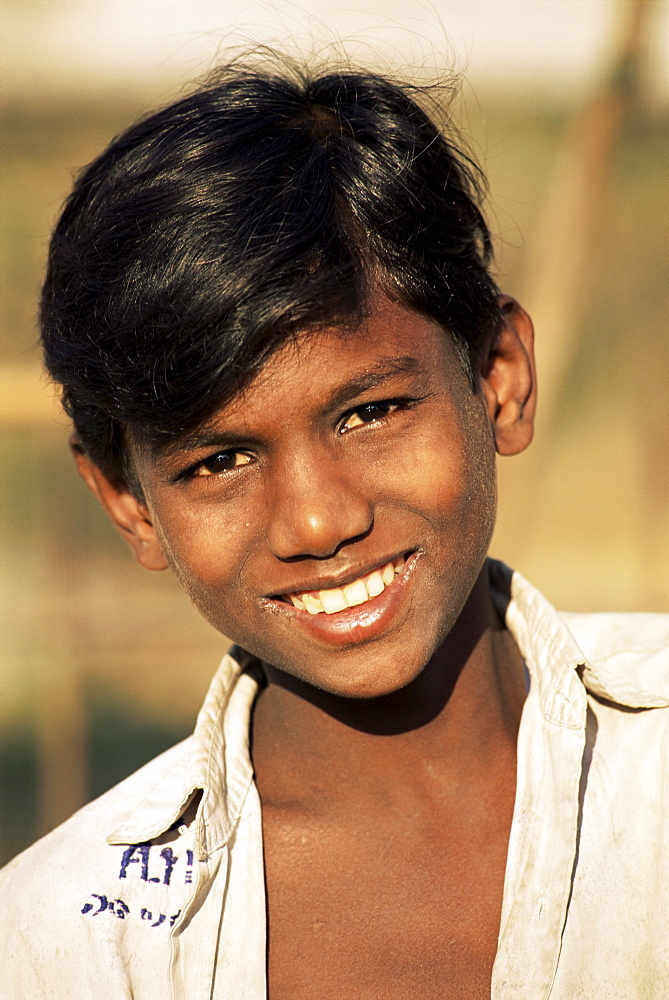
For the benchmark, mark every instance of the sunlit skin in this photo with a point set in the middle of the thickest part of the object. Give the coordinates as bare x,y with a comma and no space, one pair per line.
389,723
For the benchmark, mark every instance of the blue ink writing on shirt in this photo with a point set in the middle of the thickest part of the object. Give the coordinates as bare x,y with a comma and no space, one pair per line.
170,860
147,915
141,854
142,850
120,909
154,865
115,906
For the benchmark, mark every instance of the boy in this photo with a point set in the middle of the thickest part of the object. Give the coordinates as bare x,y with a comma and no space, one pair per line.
289,370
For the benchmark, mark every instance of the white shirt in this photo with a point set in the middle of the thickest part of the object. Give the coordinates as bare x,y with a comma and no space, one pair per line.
156,889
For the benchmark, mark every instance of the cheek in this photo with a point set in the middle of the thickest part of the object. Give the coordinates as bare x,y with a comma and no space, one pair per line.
458,490
450,478
206,552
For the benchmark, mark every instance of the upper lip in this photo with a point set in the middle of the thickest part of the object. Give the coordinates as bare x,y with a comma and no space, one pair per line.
335,581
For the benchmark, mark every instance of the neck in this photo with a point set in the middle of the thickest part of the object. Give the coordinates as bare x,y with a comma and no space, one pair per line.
463,707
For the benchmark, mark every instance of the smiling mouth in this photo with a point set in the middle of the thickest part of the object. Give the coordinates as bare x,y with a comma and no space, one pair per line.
360,591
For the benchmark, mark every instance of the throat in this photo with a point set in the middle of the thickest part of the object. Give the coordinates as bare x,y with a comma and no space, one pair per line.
413,746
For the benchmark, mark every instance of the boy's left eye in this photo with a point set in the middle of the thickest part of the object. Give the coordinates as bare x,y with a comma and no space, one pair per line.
223,461
368,414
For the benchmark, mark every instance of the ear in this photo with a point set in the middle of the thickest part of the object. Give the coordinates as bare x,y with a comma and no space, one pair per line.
129,514
509,380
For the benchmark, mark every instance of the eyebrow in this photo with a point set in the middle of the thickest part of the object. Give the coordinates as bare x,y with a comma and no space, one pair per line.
383,369
375,375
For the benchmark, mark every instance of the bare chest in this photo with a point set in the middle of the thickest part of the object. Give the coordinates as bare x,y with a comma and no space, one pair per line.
366,908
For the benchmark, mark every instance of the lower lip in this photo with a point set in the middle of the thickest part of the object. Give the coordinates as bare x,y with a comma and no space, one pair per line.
363,622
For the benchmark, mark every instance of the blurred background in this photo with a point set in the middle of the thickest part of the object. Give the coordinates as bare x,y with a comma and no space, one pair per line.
566,105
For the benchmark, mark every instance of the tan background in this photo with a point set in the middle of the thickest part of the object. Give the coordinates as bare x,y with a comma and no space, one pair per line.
566,106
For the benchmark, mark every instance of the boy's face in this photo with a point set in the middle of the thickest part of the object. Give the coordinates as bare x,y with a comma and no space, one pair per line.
359,464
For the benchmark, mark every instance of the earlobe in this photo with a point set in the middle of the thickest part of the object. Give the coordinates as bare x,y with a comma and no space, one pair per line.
508,379
128,513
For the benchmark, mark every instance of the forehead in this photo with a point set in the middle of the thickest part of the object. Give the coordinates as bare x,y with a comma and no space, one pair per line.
328,367
390,338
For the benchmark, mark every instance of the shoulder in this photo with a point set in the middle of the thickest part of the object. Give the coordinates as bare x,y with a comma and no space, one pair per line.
627,651
90,826
49,892
608,635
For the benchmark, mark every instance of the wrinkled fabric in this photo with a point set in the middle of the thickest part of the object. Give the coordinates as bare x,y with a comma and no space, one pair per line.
156,889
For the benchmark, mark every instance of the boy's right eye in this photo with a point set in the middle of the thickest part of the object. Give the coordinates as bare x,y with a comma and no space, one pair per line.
222,461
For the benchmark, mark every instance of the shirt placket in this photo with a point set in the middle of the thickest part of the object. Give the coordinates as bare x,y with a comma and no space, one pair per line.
542,845
194,938
241,961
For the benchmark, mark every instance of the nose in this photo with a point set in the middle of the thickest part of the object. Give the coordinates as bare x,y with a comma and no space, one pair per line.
316,506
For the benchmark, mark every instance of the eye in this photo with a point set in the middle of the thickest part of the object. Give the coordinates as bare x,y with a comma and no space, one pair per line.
222,461
369,414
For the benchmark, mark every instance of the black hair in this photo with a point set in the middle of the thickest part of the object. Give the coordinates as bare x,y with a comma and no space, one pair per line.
262,204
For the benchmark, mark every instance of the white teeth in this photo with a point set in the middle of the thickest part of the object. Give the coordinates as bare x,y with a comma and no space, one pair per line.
375,584
312,604
358,592
332,600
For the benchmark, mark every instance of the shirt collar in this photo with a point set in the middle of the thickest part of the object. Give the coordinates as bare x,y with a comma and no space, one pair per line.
567,653
215,764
